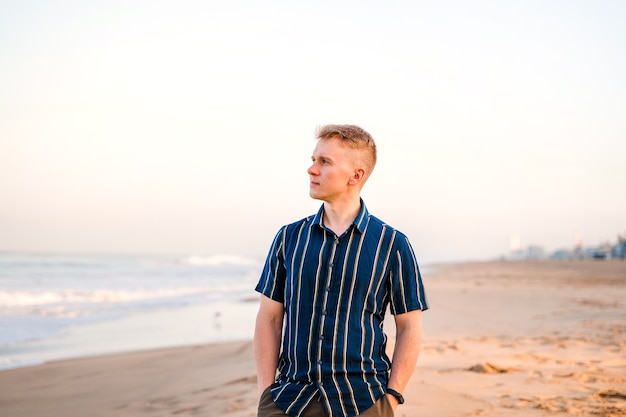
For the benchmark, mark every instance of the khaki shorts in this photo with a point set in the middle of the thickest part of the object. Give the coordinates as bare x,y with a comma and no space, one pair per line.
267,408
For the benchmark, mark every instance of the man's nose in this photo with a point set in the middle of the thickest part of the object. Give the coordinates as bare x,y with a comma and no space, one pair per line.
312,170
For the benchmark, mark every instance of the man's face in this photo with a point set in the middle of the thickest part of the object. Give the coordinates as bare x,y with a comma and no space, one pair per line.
331,171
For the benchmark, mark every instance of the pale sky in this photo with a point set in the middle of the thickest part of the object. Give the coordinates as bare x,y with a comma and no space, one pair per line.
188,126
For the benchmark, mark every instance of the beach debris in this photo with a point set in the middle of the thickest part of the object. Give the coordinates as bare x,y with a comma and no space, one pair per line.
489,368
611,393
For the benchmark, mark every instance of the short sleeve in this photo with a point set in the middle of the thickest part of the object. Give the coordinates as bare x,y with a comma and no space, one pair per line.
407,289
272,280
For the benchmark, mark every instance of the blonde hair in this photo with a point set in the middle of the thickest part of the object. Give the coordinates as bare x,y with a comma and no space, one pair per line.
356,138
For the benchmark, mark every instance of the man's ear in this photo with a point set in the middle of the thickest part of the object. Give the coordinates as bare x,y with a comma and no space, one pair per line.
357,176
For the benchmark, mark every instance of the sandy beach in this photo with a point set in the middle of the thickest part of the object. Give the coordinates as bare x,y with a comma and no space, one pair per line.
545,338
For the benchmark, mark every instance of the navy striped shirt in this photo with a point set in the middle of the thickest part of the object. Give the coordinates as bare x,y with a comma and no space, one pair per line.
335,291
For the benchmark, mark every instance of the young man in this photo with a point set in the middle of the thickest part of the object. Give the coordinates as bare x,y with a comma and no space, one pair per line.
327,282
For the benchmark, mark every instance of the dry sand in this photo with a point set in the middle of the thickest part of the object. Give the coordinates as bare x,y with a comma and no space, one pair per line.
501,339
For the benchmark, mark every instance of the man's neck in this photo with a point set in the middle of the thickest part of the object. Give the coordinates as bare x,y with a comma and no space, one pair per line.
338,216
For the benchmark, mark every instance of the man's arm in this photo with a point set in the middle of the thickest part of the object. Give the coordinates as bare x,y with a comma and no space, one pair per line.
406,351
267,336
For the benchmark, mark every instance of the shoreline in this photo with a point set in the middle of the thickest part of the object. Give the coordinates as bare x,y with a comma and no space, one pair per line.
507,339
222,321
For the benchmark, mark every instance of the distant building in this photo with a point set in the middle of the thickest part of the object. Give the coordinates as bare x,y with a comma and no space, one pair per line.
532,252
619,250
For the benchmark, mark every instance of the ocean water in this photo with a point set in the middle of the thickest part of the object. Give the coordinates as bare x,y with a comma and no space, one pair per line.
58,306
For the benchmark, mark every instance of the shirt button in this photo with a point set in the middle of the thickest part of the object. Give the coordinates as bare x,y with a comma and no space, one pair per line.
322,337
319,362
323,312
327,289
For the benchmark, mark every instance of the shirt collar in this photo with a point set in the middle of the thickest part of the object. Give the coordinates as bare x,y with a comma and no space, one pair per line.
360,221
